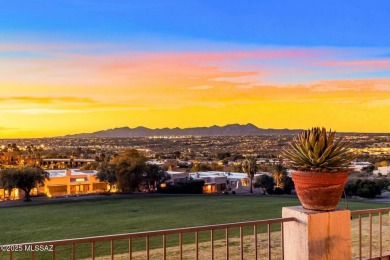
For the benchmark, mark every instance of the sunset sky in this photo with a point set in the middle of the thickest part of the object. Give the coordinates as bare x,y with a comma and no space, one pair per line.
70,66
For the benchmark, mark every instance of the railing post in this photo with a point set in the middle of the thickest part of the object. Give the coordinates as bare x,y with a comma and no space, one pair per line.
380,234
388,230
317,234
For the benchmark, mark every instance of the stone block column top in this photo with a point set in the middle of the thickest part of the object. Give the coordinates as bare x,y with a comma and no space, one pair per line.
317,234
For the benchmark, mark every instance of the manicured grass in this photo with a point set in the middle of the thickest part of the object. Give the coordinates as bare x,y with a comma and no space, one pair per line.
73,219
133,214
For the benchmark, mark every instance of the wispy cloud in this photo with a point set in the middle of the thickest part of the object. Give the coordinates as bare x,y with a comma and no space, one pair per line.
40,111
200,87
148,87
364,64
143,78
47,100
57,47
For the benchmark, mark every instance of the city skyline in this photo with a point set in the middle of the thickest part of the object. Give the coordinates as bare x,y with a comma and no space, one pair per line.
85,66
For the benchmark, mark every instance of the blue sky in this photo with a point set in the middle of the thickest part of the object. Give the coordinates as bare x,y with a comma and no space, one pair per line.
281,23
276,64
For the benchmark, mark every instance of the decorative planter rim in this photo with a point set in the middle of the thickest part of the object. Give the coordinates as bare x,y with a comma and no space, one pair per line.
319,190
320,177
320,173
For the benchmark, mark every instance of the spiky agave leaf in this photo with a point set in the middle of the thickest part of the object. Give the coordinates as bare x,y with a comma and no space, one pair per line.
317,150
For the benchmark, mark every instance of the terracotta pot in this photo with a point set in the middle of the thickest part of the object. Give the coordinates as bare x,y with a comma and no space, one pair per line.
319,190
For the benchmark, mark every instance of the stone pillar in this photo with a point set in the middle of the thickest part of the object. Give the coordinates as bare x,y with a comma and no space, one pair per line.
317,235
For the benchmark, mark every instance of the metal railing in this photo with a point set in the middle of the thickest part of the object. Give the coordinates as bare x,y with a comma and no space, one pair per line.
242,240
260,227
369,237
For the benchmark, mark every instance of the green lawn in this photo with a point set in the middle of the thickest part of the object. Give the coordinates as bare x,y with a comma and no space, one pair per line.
132,214
110,215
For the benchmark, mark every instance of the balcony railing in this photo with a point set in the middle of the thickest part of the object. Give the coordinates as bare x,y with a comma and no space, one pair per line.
371,233
262,239
245,236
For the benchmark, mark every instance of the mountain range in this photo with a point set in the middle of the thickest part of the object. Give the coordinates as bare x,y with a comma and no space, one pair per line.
227,130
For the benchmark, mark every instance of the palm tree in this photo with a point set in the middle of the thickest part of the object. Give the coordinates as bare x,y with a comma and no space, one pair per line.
249,166
279,175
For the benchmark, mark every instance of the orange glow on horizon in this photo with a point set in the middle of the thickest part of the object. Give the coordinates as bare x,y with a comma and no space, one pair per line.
84,93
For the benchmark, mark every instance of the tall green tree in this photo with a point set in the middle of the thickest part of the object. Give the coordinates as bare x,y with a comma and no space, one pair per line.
265,182
129,168
250,167
154,174
26,178
106,173
7,180
29,177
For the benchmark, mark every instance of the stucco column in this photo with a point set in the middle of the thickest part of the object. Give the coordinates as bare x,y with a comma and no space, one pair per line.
317,235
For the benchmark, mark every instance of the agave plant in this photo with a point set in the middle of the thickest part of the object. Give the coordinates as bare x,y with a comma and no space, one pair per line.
317,150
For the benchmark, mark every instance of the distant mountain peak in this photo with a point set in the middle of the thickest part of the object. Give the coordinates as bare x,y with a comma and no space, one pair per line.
251,125
141,131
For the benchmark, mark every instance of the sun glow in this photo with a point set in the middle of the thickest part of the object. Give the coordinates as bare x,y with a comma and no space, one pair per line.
73,93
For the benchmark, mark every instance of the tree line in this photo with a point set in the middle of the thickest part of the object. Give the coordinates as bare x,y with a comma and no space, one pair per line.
24,178
130,172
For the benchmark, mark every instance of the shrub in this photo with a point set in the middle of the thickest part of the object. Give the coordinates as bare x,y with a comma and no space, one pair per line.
365,188
350,188
288,185
382,183
264,181
185,187
366,193
368,189
40,194
278,191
